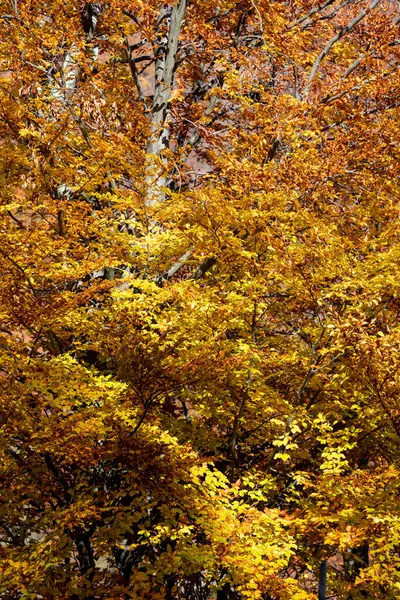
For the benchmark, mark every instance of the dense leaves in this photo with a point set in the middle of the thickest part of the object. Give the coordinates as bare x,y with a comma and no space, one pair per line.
199,299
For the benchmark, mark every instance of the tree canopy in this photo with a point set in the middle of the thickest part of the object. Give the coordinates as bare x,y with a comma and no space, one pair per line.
199,299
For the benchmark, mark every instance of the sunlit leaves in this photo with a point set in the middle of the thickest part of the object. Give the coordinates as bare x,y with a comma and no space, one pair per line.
205,388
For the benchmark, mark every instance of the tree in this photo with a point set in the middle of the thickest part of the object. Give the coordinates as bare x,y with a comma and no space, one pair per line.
199,299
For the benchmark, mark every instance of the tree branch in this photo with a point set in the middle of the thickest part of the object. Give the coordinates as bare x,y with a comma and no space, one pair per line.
342,32
313,11
160,279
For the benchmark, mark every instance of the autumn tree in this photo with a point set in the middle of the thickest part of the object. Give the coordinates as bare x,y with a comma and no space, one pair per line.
199,299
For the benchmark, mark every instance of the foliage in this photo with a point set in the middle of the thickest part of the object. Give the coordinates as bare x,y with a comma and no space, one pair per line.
199,299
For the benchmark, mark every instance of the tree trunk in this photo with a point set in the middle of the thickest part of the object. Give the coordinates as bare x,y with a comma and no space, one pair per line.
165,53
322,581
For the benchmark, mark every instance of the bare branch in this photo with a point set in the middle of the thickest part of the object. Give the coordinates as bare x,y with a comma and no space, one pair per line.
260,21
131,15
238,419
160,279
346,29
313,11
135,75
354,65
204,267
331,14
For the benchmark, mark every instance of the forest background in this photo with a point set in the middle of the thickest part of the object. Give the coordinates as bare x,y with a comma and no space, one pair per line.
199,299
